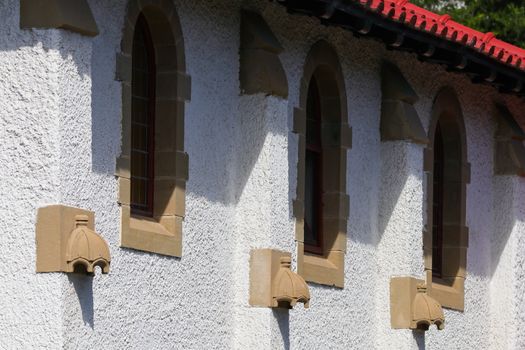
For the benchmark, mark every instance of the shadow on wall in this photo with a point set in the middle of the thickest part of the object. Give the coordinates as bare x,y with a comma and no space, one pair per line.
84,290
259,116
221,167
506,215
283,320
222,147
419,337
395,173
223,135
106,97
105,110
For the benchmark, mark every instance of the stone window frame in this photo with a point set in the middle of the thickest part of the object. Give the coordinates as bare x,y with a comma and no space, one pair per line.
449,289
162,233
328,269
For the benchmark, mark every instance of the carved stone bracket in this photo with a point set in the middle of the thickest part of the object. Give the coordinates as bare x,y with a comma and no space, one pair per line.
66,242
411,307
261,70
73,15
399,119
509,156
273,283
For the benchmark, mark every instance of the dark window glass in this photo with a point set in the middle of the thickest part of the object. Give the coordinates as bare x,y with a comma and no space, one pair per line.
142,120
437,205
313,238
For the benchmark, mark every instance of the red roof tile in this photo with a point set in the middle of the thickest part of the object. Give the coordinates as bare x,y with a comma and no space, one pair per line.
443,26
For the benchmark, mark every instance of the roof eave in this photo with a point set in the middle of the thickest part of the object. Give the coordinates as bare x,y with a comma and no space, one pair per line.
457,57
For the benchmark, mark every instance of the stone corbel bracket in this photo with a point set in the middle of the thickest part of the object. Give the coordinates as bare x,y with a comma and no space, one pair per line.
66,242
273,283
261,70
509,157
411,307
399,119
73,15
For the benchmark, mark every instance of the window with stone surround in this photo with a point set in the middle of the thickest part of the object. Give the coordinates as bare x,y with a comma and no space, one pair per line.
153,168
321,206
448,172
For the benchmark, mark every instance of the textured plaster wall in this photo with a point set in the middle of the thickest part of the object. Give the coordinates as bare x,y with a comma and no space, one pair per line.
30,101
400,228
262,215
504,243
60,114
517,314
150,301
508,260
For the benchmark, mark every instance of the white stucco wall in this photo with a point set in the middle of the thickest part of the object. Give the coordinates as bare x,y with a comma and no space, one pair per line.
60,113
30,66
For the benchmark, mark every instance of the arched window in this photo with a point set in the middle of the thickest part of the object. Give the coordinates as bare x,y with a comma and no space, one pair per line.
446,236
321,205
142,120
152,167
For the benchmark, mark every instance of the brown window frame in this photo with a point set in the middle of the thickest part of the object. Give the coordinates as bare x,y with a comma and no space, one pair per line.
316,149
148,209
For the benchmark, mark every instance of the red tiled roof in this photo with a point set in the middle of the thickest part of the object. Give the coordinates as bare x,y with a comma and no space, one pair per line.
443,26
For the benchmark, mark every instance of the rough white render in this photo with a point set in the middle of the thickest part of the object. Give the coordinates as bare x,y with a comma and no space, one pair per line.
60,112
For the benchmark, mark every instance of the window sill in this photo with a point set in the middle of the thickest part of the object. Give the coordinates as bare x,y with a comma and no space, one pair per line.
326,270
151,236
449,295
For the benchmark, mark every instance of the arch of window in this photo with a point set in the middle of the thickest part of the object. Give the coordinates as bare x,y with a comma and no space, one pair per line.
448,172
321,206
152,168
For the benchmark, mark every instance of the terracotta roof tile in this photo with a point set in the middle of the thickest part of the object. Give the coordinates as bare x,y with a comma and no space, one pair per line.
403,11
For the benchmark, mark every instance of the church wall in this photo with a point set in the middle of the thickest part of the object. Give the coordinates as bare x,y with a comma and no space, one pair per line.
60,110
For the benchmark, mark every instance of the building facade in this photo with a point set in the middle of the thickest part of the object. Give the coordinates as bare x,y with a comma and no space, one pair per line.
195,133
